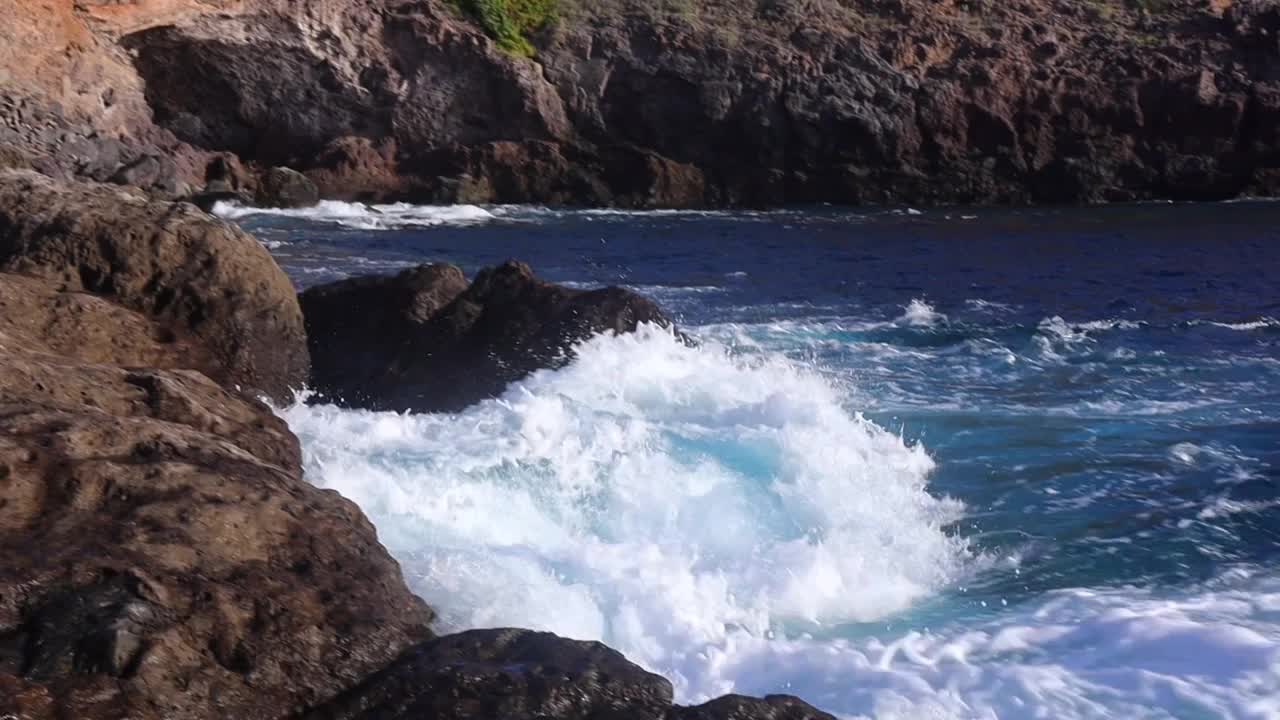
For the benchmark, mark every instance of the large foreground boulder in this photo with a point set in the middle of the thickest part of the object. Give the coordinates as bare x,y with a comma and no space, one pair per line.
424,340
163,556
525,675
205,282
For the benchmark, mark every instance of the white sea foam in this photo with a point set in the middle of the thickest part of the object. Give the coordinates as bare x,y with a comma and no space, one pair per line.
988,306
1259,324
1055,336
672,501
367,217
919,313
1076,654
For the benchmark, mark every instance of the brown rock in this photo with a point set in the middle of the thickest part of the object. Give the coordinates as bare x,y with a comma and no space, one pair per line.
281,187
13,157
210,286
184,567
355,168
760,104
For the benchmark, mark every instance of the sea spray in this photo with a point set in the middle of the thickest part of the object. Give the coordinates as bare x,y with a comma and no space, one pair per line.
661,498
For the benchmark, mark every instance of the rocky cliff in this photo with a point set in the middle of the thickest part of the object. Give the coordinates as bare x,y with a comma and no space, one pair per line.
659,102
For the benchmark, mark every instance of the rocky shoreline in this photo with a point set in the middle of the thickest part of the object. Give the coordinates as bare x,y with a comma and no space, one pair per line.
165,556
654,102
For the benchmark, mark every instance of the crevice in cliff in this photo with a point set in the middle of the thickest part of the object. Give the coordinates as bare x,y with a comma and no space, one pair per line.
273,102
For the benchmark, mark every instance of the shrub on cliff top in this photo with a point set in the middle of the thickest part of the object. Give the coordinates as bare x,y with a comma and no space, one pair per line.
509,22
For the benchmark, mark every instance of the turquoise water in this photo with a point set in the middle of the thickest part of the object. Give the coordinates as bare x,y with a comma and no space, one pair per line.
940,464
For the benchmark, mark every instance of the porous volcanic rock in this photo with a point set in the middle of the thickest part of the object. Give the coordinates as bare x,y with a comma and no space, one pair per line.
641,102
163,556
205,281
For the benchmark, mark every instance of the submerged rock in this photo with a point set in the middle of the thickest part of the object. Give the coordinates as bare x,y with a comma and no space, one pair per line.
525,675
203,280
423,340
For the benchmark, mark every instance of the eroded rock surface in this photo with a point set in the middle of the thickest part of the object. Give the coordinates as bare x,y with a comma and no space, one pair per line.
163,556
207,284
640,102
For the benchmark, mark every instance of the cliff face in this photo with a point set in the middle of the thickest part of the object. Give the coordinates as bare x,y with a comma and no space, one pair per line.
666,102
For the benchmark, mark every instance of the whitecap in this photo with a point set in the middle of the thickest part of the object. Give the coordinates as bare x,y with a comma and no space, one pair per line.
1259,324
366,217
988,306
919,313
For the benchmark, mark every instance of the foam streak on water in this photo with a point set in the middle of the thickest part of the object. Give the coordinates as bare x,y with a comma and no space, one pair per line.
1085,654
365,217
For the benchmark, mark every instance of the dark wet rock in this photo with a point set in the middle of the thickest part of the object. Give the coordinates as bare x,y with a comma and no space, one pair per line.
738,104
281,187
360,326
504,673
423,340
203,280
524,675
740,707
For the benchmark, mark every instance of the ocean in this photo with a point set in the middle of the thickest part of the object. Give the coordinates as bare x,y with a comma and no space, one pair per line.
921,464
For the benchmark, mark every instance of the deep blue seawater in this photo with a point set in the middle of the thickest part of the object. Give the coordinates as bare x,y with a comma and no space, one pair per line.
953,463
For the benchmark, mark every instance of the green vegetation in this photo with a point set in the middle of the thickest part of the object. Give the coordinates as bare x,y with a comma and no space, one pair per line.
509,22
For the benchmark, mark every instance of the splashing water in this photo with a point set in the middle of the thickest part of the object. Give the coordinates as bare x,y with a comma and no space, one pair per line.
727,516
919,313
365,217
661,498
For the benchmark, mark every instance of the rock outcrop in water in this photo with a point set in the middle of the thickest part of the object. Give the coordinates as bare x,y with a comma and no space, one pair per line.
207,284
424,340
523,675
640,102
